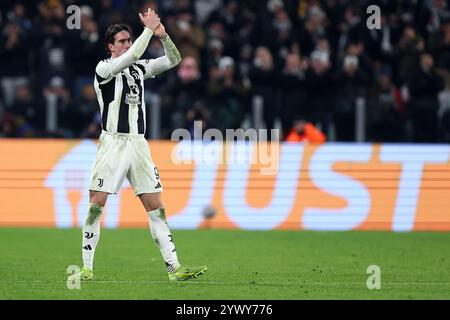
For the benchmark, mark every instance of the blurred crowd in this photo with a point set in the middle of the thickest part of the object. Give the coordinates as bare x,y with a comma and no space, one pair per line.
312,62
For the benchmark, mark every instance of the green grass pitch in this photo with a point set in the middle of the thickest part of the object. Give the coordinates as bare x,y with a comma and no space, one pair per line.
241,265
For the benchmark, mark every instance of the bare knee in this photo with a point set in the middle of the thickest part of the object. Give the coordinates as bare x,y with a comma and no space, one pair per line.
98,197
151,201
153,205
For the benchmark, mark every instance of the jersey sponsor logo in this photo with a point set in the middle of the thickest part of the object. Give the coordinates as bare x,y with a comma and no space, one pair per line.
133,96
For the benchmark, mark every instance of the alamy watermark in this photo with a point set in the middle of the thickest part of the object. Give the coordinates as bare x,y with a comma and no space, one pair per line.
238,147
73,281
74,20
374,280
374,21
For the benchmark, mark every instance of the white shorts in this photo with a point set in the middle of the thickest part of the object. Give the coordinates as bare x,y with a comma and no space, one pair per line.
124,155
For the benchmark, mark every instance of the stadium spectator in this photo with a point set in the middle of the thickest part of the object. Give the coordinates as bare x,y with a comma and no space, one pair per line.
293,88
53,55
352,29
226,95
185,92
205,8
380,43
351,83
358,50
108,13
320,85
431,14
225,24
215,52
13,60
409,49
264,80
313,29
303,131
24,110
84,50
439,45
58,109
424,86
386,121
279,34
87,109
219,44
187,33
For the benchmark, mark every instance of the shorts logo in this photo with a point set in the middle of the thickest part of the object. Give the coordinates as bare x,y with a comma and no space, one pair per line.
100,183
158,185
88,235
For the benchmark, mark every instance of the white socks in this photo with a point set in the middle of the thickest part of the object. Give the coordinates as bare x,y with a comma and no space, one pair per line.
91,234
158,227
163,238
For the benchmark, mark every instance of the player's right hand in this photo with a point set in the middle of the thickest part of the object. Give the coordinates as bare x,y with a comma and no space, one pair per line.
150,19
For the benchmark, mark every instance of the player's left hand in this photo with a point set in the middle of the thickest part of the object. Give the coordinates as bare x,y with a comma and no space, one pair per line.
160,31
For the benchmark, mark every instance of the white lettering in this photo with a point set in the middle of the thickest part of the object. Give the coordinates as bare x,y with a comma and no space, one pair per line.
374,21
234,199
413,159
74,20
356,194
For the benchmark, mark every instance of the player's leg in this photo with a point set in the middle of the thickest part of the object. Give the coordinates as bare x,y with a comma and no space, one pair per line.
91,234
105,172
160,229
145,180
162,235
91,227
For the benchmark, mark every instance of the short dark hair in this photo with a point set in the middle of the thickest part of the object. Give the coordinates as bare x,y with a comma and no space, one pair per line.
112,31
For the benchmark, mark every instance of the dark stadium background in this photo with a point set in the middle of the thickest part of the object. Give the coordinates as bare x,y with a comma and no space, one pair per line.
255,64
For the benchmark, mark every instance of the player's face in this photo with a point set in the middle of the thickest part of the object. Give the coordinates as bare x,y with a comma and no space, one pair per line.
122,42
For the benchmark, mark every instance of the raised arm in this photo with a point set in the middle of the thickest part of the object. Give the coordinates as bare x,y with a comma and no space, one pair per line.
132,55
151,21
170,59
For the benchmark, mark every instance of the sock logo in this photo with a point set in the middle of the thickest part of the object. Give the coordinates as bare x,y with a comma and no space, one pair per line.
88,247
158,185
171,240
100,183
88,235
170,267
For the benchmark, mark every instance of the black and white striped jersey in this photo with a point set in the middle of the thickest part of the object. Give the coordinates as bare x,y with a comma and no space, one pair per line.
121,97
119,85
